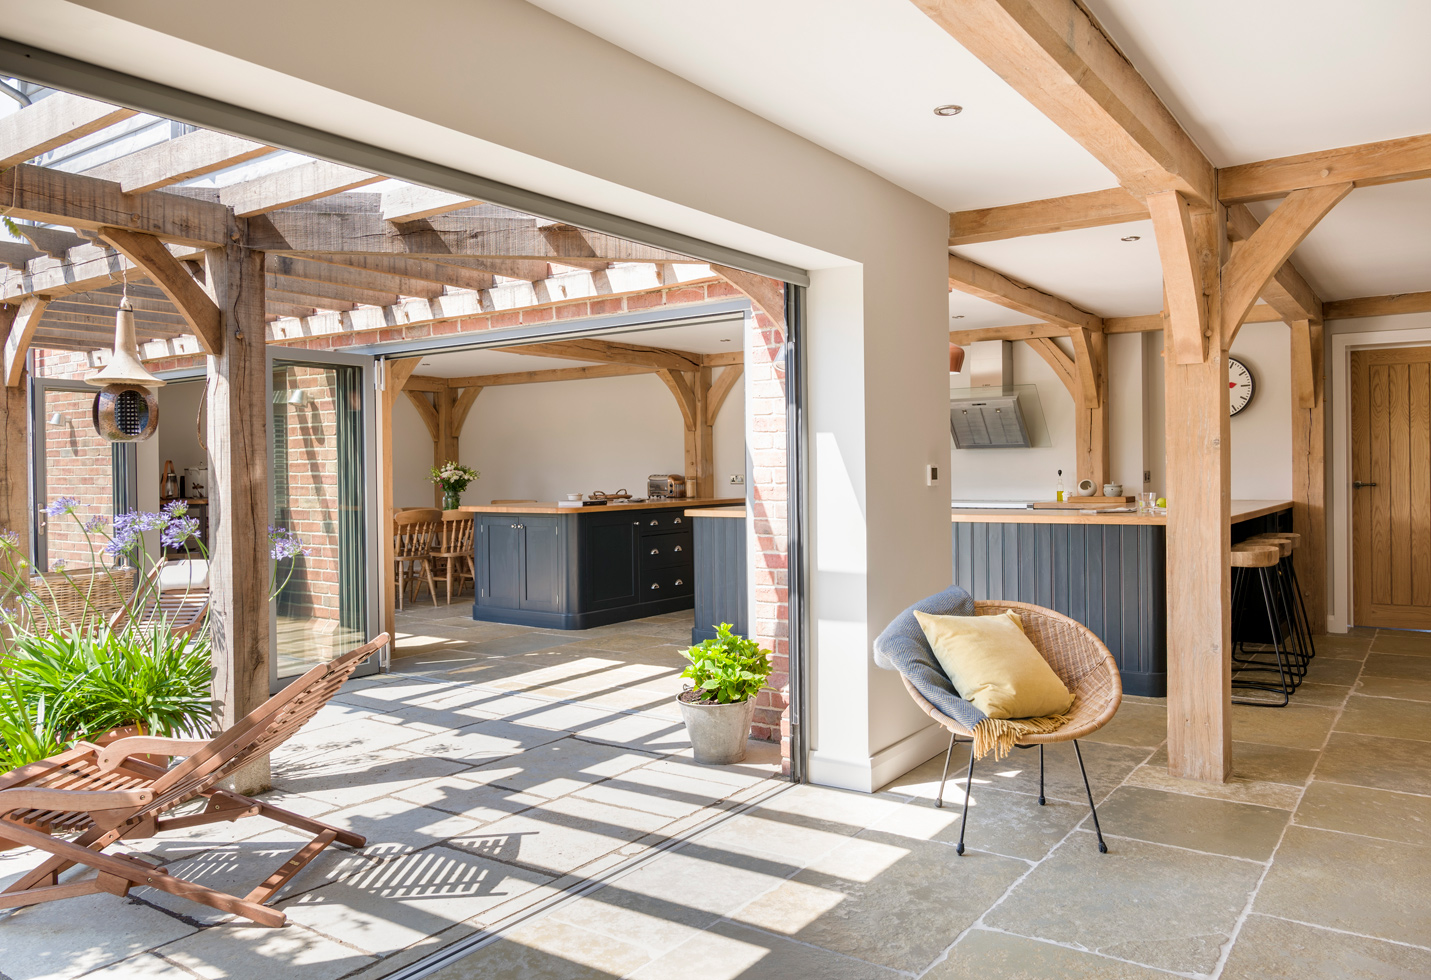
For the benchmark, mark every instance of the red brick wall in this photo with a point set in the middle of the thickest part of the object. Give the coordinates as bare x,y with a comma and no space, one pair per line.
78,464
312,492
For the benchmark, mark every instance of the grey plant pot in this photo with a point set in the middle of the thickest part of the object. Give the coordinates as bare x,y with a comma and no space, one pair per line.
718,731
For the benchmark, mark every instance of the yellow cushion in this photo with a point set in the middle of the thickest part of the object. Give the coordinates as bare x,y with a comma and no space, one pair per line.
993,665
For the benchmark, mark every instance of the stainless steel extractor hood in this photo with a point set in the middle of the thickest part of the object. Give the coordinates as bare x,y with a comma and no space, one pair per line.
993,421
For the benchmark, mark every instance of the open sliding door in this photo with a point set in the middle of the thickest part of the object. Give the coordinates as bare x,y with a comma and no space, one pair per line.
323,488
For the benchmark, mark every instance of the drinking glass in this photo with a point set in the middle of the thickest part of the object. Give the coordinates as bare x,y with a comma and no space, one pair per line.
1148,503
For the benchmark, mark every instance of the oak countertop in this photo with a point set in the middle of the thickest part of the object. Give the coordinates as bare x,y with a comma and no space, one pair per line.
553,508
718,512
1242,510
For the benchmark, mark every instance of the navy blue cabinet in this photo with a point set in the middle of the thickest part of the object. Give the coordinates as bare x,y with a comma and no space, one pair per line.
587,568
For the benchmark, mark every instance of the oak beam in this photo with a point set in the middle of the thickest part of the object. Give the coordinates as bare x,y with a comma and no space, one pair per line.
700,437
171,276
322,289
51,123
976,280
1032,331
609,352
294,185
1061,363
1255,262
396,374
1183,277
462,407
684,394
767,294
1364,165
425,409
412,202
444,443
1363,306
721,388
1309,490
1287,291
19,332
192,155
556,374
420,270
1091,210
1053,55
15,507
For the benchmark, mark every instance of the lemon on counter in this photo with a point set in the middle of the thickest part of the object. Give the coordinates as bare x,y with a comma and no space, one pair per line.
1162,501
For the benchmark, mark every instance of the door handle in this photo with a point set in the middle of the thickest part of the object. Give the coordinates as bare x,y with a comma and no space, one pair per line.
1357,484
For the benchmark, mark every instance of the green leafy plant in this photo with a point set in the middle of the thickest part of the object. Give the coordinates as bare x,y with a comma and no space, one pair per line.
727,668
28,731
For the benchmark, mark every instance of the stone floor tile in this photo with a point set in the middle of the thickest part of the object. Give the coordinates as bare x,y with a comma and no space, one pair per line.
834,809
1135,724
1329,670
1358,884
397,903
999,822
1295,726
649,923
394,826
649,733
775,837
482,742
1341,646
756,768
359,737
1269,947
655,791
244,952
339,782
1397,665
1370,812
729,951
869,898
1386,716
1108,765
145,966
1407,642
59,940
1237,789
1215,826
1398,764
561,835
1261,762
468,797
727,879
560,767
1321,695
1396,687
550,948
561,716
983,954
1150,904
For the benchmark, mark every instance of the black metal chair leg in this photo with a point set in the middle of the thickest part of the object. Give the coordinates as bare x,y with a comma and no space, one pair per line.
1285,688
939,800
1102,847
968,789
1041,800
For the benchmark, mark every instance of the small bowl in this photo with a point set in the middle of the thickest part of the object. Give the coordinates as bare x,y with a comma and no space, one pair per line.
573,496
1086,488
1112,489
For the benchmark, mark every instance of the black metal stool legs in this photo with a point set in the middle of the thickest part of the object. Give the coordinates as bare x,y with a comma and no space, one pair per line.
1284,688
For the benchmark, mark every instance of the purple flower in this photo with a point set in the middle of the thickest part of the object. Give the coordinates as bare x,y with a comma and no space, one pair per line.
10,538
286,544
58,565
178,531
128,529
176,508
95,524
61,506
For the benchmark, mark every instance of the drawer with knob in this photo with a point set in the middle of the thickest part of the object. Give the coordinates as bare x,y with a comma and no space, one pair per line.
665,550
666,583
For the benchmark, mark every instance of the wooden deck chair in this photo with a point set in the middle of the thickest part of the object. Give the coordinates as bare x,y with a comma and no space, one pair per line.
76,804
176,593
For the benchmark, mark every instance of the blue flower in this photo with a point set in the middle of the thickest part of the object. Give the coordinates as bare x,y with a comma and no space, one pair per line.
285,544
95,524
61,506
179,531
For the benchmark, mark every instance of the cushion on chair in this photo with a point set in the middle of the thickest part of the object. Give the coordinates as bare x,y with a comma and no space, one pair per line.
993,664
190,575
903,647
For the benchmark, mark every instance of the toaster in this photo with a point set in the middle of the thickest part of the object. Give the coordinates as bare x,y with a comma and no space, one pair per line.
666,485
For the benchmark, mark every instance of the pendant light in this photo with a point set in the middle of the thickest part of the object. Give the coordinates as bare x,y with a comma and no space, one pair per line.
127,408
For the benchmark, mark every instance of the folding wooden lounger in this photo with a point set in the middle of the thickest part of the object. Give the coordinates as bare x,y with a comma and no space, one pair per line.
76,804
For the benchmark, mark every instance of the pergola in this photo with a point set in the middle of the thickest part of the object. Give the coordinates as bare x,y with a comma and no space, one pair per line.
282,258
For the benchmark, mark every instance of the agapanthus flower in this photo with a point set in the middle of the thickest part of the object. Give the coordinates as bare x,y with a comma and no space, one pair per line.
285,544
176,508
61,506
128,529
9,539
95,524
58,565
178,531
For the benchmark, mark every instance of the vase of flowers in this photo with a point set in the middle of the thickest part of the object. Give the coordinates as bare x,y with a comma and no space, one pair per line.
453,479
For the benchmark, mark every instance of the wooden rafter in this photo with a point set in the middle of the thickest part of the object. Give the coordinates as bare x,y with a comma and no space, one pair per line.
171,276
1391,305
1062,365
294,185
317,289
411,202
425,408
1090,210
418,270
1088,365
18,334
463,405
182,158
533,377
51,123
1030,331
1183,276
1053,55
1364,165
348,277
976,280
610,352
685,396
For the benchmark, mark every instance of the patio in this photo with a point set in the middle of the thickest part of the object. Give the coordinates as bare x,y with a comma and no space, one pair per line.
531,795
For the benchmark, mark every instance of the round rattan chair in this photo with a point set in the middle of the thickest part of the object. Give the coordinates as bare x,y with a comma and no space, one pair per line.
1084,665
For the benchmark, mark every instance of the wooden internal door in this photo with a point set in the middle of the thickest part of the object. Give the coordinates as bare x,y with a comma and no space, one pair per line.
1391,488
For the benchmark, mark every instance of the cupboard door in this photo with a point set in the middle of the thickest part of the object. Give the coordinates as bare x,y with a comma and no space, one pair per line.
499,559
543,564
609,575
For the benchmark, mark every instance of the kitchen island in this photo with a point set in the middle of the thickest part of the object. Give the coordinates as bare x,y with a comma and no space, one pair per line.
1106,570
570,568
720,571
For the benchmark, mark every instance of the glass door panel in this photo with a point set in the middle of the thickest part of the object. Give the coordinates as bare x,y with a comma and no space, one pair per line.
73,461
321,492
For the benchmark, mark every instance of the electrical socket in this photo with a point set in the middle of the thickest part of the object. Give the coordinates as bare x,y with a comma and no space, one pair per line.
736,480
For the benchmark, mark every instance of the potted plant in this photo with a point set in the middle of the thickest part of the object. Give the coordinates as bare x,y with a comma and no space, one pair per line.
726,673
453,479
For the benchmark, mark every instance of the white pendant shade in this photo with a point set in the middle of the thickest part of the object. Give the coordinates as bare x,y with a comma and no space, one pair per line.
124,367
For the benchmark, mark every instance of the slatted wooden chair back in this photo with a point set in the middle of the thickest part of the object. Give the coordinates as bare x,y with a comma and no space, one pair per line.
182,610
458,529
416,532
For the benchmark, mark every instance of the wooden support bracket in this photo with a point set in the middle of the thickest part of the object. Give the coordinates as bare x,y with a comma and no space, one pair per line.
172,276
720,388
425,411
20,330
1183,298
685,396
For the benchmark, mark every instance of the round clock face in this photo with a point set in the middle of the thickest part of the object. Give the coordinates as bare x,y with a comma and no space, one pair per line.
1240,384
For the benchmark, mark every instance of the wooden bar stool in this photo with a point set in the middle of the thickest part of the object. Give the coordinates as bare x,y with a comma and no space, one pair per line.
1294,639
1262,558
1288,568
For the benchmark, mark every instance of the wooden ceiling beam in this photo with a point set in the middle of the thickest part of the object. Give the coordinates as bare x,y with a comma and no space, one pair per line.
1181,251
1092,210
721,388
1287,291
51,123
275,298
1365,165
1062,365
1053,55
460,277
294,185
412,202
182,158
80,202
293,267
329,291
723,359
1394,304
608,352
1030,331
767,294
103,326
541,377
976,280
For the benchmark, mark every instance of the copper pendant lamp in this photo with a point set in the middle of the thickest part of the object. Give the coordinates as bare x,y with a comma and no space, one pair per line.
126,408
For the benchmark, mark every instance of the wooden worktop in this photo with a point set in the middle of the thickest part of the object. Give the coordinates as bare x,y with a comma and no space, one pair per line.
718,512
552,508
1242,510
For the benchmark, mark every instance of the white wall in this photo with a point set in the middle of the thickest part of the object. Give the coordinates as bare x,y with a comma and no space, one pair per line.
595,126
542,441
1262,432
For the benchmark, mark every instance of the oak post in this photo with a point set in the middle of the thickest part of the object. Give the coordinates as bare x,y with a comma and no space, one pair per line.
15,507
395,375
444,446
1309,487
238,449
1199,496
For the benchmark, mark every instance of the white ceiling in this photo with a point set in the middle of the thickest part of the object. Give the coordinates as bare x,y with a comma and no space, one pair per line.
1255,79
860,78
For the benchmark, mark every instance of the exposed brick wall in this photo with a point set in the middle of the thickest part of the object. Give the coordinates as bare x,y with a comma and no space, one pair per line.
309,504
79,463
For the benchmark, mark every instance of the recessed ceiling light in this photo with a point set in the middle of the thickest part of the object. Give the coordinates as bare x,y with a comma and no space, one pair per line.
1130,238
948,110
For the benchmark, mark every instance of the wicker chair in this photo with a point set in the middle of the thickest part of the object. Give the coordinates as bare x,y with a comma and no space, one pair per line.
1081,661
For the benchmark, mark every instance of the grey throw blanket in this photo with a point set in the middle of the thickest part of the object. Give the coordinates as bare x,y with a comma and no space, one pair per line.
902,647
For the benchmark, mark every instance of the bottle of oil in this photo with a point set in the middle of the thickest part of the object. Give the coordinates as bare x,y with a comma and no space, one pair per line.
1059,493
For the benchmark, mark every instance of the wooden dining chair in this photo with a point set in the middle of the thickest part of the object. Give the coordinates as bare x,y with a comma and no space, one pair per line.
454,553
416,533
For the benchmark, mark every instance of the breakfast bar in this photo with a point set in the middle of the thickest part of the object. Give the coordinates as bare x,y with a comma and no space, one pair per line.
1106,570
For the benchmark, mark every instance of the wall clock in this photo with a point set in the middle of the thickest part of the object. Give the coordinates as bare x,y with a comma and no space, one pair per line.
1240,384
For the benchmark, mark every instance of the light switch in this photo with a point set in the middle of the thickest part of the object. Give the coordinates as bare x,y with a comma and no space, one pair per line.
931,474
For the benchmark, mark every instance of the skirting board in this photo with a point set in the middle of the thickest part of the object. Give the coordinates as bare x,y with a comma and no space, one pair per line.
886,765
